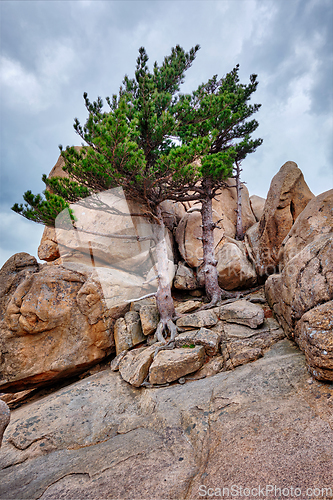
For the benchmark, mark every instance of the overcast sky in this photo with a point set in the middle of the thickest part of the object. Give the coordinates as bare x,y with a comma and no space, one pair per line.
53,51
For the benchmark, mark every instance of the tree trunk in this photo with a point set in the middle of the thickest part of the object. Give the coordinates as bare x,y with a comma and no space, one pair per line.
164,299
239,224
213,290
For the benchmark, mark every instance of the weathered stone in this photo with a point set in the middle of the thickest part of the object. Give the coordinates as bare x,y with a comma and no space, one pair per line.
116,361
48,249
12,273
150,318
233,267
135,365
128,332
314,335
197,320
238,358
243,313
187,307
46,334
257,205
287,197
4,418
242,344
189,232
209,339
122,337
305,282
96,437
185,278
225,204
148,301
212,367
94,225
172,213
315,221
170,365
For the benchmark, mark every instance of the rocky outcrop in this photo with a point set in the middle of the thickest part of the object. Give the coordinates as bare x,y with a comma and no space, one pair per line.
48,332
299,294
4,418
287,197
102,438
16,269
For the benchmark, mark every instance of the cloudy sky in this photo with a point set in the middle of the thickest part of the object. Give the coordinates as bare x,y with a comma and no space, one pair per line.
53,51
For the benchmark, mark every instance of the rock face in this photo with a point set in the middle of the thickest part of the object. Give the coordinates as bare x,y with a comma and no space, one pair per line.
287,197
102,438
53,327
314,222
305,284
15,270
4,418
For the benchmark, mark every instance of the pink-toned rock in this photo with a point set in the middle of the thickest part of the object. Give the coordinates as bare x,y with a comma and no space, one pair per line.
315,221
287,197
233,267
225,204
243,313
257,204
189,232
314,335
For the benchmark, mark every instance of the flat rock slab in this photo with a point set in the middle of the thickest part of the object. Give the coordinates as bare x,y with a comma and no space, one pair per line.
243,313
205,337
170,365
198,320
264,423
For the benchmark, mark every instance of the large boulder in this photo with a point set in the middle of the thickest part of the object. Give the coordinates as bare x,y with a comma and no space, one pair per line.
301,294
59,321
287,197
234,269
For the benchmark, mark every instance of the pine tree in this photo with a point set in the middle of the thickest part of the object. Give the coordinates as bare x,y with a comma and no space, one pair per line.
131,145
219,110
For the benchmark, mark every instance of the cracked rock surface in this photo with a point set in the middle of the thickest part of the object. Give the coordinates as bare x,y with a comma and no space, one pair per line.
102,438
301,294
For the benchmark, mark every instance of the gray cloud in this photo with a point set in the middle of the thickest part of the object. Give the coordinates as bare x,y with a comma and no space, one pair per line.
51,52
